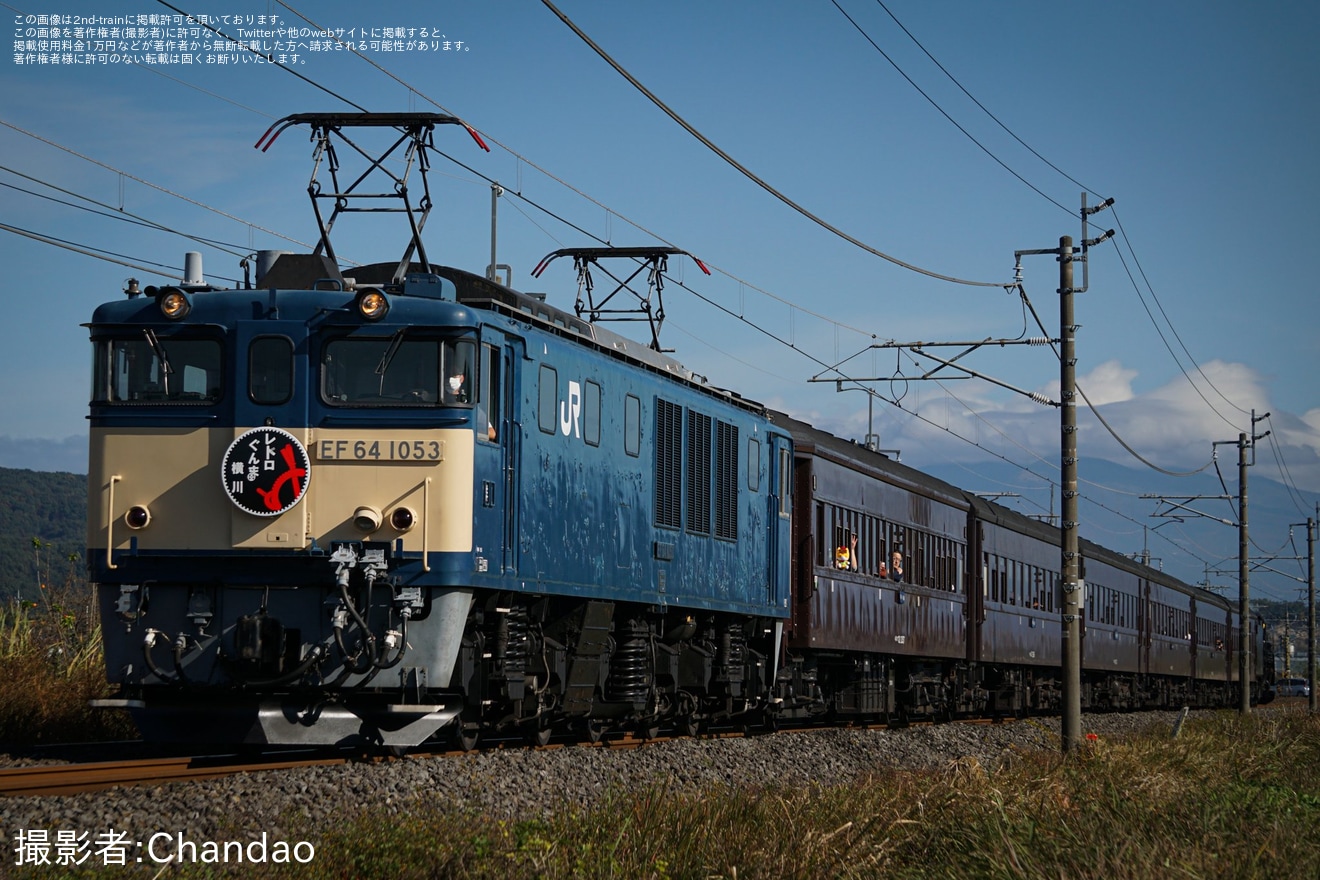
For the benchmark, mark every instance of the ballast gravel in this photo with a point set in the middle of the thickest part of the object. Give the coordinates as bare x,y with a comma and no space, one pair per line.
522,784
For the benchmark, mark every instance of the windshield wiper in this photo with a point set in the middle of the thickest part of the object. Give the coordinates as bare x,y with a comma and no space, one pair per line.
388,357
165,368
390,352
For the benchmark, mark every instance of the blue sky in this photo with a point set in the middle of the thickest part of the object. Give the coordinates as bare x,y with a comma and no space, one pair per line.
1200,119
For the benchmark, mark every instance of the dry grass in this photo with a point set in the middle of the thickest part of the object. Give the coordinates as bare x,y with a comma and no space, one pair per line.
51,665
1230,798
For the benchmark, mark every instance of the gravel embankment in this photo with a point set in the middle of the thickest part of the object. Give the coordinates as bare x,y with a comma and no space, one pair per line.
521,784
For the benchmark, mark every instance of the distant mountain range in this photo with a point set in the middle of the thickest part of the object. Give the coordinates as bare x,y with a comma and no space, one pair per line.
65,454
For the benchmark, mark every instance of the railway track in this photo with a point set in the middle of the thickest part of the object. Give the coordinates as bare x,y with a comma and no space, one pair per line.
65,779
77,778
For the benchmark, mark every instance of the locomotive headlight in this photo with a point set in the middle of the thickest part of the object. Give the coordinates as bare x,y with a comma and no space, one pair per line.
174,303
372,304
137,517
402,519
366,519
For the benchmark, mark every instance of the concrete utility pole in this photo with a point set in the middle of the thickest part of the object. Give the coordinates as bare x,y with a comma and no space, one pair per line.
1074,593
1073,588
1244,587
1311,665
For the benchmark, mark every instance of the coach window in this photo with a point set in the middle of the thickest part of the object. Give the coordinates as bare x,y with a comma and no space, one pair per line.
548,397
152,370
632,426
270,370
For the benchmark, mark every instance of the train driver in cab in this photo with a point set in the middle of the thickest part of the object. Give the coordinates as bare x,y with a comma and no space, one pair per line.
456,388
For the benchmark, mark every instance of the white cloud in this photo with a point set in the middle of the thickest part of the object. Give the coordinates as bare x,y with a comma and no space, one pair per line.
1173,425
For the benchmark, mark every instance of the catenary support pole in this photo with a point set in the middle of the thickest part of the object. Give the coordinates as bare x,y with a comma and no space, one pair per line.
1245,639
1073,586
1311,665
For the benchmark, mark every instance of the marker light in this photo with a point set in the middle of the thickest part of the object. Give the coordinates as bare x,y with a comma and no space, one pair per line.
138,517
366,519
402,519
372,304
174,303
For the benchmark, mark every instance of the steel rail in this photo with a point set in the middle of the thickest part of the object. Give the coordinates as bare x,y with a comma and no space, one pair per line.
66,779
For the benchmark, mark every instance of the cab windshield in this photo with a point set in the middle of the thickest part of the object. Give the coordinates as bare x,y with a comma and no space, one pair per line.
398,370
151,369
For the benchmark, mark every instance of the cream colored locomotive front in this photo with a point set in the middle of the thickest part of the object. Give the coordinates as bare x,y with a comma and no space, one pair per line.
162,489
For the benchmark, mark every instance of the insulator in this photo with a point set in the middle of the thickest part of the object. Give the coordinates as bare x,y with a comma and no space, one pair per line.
1040,398
1039,340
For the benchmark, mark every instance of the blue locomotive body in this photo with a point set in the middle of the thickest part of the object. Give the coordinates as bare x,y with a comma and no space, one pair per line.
470,469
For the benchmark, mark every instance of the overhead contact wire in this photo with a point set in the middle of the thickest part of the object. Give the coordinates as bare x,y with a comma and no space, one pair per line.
746,172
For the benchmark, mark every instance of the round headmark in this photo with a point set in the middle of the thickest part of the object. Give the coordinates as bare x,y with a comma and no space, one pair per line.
265,471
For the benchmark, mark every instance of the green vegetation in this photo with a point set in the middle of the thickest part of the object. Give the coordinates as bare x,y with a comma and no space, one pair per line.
51,660
52,506
1230,798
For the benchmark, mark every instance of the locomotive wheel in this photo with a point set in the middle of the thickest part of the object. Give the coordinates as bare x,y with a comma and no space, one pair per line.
467,736
539,736
690,726
650,731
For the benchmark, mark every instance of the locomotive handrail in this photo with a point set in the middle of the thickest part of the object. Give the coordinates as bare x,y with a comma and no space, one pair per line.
426,524
110,525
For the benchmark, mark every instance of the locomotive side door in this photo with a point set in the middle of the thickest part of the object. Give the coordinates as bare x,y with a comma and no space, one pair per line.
495,530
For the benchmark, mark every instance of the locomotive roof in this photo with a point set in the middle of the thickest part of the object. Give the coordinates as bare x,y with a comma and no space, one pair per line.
303,271
482,293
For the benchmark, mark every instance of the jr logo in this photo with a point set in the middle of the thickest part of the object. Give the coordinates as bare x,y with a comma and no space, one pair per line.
570,411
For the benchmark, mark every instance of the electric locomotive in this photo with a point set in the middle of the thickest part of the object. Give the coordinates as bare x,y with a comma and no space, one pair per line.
374,506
